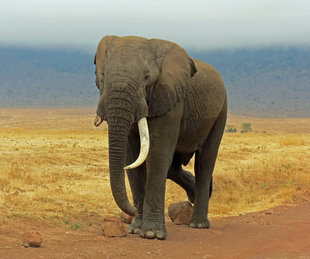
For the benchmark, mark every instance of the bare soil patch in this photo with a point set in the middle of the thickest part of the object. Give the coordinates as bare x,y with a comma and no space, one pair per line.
281,232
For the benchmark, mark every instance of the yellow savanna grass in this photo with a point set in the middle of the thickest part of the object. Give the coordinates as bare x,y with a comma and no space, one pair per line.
256,171
63,174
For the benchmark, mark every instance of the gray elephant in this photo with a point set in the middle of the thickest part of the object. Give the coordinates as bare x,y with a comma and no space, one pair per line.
160,112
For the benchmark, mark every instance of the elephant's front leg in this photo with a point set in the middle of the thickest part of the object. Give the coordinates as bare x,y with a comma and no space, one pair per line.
137,183
164,133
137,179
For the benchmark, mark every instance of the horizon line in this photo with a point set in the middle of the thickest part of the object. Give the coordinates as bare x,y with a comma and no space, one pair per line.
88,49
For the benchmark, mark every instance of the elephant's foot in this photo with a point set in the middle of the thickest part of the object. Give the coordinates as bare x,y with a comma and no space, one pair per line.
199,222
136,225
153,230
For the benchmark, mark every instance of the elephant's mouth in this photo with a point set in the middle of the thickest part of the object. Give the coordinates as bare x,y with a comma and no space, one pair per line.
144,141
98,121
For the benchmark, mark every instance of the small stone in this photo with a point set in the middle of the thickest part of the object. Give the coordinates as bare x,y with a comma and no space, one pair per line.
181,213
113,227
126,218
32,238
101,238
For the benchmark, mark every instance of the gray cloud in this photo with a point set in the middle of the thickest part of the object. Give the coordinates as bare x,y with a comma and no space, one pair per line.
193,23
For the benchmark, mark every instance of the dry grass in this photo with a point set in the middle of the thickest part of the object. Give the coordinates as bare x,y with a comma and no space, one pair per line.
54,173
257,171
62,173
275,125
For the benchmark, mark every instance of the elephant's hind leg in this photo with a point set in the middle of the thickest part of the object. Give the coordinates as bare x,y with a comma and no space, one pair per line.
182,177
204,165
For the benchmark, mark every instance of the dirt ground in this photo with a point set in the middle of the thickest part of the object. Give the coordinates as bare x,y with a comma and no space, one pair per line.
282,232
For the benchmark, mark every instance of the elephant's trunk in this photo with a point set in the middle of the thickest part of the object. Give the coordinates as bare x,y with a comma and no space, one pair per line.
122,106
118,136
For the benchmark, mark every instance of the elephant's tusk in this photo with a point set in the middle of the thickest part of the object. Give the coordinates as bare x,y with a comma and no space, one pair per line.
144,142
98,121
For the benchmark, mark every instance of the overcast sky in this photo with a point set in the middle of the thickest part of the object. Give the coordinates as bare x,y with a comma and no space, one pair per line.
202,24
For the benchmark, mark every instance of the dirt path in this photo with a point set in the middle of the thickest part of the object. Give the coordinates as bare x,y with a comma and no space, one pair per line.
278,233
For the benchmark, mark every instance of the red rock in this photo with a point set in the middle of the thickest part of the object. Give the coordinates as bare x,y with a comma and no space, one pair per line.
32,238
113,227
269,212
181,213
126,218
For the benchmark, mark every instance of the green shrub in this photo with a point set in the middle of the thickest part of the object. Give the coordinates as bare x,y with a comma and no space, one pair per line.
230,128
246,127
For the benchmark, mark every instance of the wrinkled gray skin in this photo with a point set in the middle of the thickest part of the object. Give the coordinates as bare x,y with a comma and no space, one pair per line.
186,114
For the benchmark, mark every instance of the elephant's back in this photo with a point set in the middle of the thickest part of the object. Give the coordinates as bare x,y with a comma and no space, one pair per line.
207,77
205,100
207,87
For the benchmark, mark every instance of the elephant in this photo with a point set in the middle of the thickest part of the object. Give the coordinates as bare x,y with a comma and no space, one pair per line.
162,107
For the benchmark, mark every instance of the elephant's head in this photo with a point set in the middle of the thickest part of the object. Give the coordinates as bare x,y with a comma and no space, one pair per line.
137,78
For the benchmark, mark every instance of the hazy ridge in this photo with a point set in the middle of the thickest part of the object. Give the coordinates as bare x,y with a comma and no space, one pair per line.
267,82
272,82
46,78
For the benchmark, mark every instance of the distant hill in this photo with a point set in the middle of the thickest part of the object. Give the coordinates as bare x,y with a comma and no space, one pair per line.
46,78
267,82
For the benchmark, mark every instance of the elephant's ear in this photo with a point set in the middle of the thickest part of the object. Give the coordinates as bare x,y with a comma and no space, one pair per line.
103,47
176,69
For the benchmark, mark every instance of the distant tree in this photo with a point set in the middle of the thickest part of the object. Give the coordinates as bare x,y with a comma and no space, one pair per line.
246,127
230,128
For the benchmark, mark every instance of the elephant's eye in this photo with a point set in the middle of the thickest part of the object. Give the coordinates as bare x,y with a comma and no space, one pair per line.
146,77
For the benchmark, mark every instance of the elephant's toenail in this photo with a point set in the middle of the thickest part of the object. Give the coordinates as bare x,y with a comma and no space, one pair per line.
137,231
191,225
149,234
159,236
199,225
130,231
